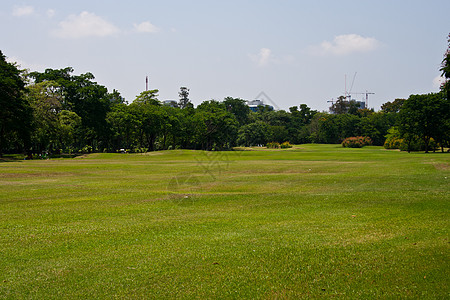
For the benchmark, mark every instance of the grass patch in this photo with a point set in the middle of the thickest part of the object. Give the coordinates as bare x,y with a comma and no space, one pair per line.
310,221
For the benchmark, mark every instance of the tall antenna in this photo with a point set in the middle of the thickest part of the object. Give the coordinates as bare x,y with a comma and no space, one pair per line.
353,81
146,83
347,93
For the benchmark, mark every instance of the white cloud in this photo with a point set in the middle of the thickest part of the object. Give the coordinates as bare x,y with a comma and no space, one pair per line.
85,25
146,27
23,11
51,13
438,81
24,65
346,44
263,57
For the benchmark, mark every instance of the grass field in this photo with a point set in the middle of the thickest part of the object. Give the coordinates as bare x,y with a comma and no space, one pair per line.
315,221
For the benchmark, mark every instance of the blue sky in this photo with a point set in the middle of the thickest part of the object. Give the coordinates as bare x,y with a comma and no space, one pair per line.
293,51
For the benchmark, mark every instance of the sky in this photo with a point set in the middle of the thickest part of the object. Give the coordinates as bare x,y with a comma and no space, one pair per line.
286,52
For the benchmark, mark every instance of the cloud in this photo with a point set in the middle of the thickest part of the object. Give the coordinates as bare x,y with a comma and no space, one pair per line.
84,25
438,81
24,65
263,57
346,44
23,11
146,27
51,13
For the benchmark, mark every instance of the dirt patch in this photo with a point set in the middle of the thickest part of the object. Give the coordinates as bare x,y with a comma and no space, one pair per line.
442,166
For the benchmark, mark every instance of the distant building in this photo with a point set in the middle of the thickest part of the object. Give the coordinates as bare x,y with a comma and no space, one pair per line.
254,104
361,104
171,103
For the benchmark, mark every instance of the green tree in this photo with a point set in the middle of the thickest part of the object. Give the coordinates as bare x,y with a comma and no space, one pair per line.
15,111
69,129
46,100
123,126
148,97
86,98
444,135
184,97
253,134
344,106
392,107
424,116
445,69
215,127
148,111
238,108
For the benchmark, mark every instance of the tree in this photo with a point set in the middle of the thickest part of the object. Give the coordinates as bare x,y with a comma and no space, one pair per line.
424,116
15,111
238,108
341,106
445,69
392,107
444,136
69,128
253,134
45,99
148,97
215,127
148,111
184,97
123,125
86,98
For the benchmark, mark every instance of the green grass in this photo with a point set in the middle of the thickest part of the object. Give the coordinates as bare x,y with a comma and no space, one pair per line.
314,221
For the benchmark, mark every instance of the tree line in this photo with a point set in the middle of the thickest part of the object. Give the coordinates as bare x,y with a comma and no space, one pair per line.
57,111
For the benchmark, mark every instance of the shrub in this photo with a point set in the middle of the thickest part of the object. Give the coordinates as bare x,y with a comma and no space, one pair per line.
357,142
273,145
393,143
393,139
87,149
286,145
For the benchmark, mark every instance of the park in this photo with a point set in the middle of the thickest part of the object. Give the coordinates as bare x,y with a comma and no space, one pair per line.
311,221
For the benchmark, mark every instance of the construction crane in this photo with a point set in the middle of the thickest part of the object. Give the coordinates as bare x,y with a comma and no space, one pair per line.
367,96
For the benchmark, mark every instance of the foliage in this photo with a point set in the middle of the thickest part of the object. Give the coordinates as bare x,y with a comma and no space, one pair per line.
253,134
344,106
148,97
285,145
445,69
238,108
184,97
392,107
276,145
393,139
15,111
273,145
425,116
357,142
81,95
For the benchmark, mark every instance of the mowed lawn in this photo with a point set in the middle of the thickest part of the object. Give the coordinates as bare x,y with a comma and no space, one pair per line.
315,221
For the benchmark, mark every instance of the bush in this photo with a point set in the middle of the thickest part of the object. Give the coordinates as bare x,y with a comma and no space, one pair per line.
393,143
286,145
393,139
276,145
357,142
273,145
87,149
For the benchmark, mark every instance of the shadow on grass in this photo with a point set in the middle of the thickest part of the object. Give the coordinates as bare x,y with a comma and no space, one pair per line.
23,157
